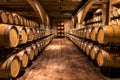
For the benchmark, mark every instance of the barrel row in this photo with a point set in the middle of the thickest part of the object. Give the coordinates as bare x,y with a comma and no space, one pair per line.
104,58
116,12
12,64
94,19
12,36
15,19
94,24
103,34
44,33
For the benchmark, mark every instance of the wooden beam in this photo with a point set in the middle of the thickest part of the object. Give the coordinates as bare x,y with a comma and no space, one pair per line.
86,9
36,6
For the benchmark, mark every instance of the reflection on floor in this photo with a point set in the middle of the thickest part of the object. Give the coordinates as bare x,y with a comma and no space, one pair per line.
62,60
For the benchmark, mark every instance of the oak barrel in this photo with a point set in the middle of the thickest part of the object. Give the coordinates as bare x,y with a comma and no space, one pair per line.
108,34
25,21
41,45
88,48
24,58
30,52
36,49
109,59
35,33
30,34
10,67
22,34
9,36
16,19
38,45
94,52
10,18
21,20
94,33
88,32
84,46
82,43
28,23
104,59
3,17
38,32
115,13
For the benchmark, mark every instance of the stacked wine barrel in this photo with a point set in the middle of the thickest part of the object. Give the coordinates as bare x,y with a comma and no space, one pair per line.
96,43
115,16
95,21
21,40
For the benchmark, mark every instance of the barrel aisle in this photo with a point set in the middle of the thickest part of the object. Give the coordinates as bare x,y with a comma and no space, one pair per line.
62,60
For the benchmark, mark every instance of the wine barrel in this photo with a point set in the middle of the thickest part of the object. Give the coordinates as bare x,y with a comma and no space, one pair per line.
36,49
41,45
94,33
84,46
10,67
28,23
34,24
115,22
104,59
94,52
108,34
22,34
45,43
88,48
25,21
23,56
118,10
115,13
30,52
38,45
35,33
30,34
21,21
10,18
82,43
84,32
16,19
3,17
9,36
88,32
31,23
38,32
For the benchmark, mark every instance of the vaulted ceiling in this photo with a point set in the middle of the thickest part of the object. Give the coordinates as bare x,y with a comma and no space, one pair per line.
61,9
56,9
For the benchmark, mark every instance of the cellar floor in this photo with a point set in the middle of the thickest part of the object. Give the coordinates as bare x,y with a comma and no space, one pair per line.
62,60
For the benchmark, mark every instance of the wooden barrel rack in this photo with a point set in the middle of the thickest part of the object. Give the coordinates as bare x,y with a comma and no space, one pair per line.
21,41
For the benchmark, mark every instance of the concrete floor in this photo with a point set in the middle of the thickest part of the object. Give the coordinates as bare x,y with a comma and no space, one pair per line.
62,60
